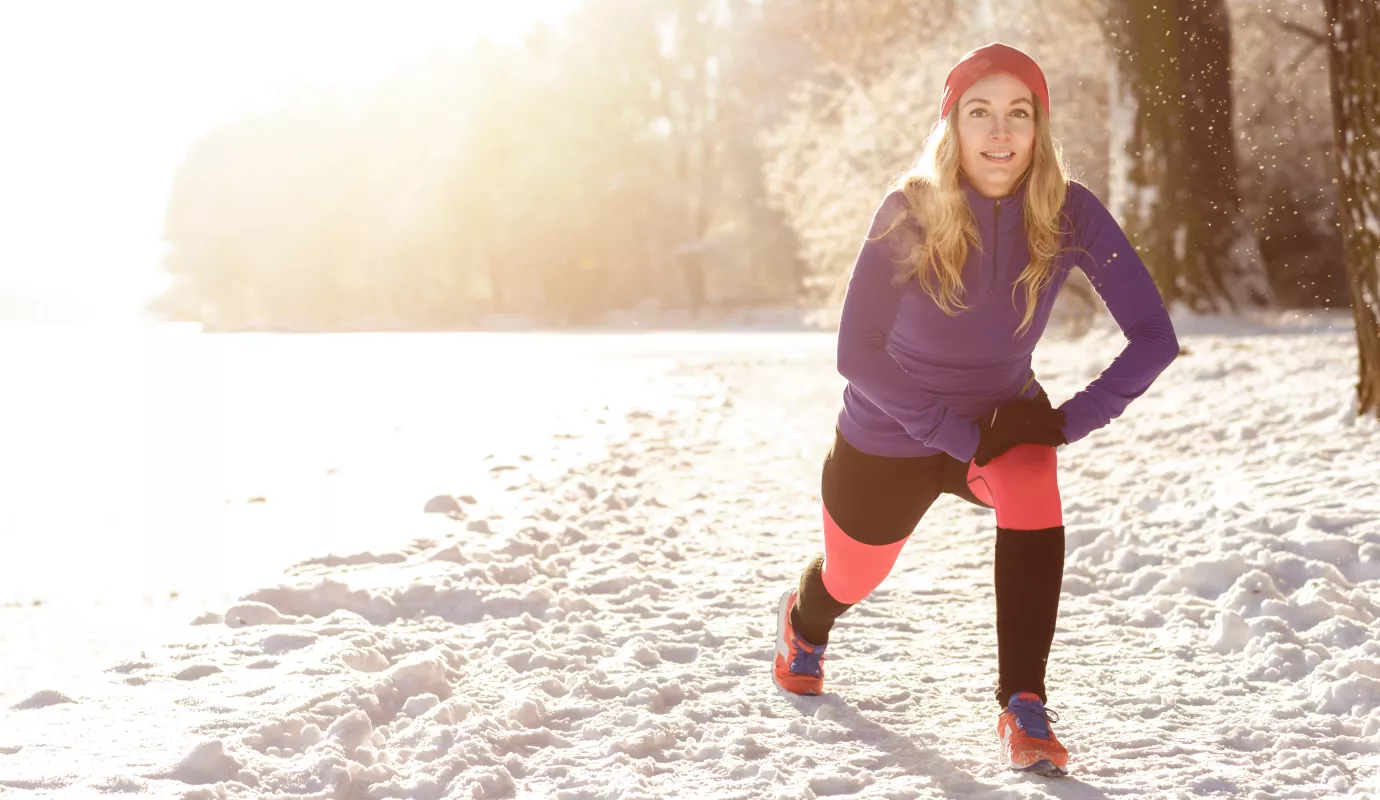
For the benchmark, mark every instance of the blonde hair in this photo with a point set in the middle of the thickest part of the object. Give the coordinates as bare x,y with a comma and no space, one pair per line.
935,249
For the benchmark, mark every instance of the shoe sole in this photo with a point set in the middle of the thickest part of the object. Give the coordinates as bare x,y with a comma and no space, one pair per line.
782,609
1045,769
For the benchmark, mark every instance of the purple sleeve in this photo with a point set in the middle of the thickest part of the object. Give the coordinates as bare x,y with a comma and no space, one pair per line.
1125,285
869,311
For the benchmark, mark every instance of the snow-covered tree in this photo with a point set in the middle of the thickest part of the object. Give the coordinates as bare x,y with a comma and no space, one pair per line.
1353,28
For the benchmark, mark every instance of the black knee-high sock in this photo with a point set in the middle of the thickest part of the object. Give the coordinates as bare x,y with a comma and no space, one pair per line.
1029,575
815,609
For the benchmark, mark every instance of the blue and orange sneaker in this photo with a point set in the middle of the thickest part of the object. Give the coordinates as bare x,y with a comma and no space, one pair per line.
1027,743
799,665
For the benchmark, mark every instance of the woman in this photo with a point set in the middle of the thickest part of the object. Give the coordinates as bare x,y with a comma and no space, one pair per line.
949,295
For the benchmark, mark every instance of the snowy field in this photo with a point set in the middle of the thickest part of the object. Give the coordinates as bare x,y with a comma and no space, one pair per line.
593,619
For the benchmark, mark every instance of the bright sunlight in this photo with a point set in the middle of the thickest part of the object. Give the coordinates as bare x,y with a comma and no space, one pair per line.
103,100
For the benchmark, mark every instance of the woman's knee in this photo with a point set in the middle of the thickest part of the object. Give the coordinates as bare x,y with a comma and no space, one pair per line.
852,569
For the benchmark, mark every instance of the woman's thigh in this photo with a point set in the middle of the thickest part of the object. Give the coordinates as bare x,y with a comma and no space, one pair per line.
878,500
1022,484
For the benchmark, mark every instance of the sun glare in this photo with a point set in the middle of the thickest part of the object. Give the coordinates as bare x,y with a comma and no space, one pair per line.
102,101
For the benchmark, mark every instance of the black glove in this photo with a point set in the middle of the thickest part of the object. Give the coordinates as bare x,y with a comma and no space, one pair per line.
1018,422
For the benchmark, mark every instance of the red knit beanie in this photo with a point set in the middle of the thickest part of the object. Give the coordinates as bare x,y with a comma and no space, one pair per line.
996,57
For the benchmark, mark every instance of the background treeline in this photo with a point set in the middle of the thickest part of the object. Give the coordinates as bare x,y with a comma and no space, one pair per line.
697,154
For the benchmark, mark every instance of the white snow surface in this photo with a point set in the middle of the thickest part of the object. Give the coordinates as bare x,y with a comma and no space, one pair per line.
595,619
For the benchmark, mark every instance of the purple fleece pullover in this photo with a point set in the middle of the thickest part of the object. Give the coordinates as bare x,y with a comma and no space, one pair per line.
918,378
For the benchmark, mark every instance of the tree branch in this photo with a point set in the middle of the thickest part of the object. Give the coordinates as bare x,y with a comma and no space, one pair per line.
1305,53
1306,32
836,65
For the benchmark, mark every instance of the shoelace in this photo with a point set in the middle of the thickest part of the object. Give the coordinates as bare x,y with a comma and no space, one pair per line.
1033,717
808,658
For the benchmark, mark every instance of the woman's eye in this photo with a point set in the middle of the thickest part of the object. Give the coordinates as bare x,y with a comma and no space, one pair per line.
978,112
1021,112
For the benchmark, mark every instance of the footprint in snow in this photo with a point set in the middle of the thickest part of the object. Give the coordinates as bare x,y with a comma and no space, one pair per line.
43,699
197,672
444,504
279,643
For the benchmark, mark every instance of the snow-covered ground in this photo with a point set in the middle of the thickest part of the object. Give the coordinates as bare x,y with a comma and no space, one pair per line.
594,619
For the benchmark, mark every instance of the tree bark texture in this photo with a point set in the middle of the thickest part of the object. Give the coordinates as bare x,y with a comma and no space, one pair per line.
1354,53
1174,169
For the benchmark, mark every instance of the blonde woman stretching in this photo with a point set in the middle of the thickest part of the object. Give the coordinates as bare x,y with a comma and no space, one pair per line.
950,293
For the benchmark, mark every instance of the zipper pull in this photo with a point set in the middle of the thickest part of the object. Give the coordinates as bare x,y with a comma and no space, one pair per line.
996,243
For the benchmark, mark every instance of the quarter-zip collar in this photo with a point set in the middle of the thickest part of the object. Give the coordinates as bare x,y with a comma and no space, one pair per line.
985,208
997,217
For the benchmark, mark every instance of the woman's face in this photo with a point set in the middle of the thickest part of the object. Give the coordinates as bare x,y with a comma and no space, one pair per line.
996,133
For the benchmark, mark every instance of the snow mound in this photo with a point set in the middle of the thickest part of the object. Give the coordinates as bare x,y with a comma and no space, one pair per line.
43,699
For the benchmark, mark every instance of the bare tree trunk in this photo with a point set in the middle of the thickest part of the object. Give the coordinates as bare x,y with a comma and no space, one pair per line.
1174,171
1354,52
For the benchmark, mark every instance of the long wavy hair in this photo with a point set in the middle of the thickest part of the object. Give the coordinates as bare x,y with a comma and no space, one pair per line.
946,229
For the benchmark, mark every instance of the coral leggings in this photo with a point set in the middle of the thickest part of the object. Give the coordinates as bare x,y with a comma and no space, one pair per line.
873,503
